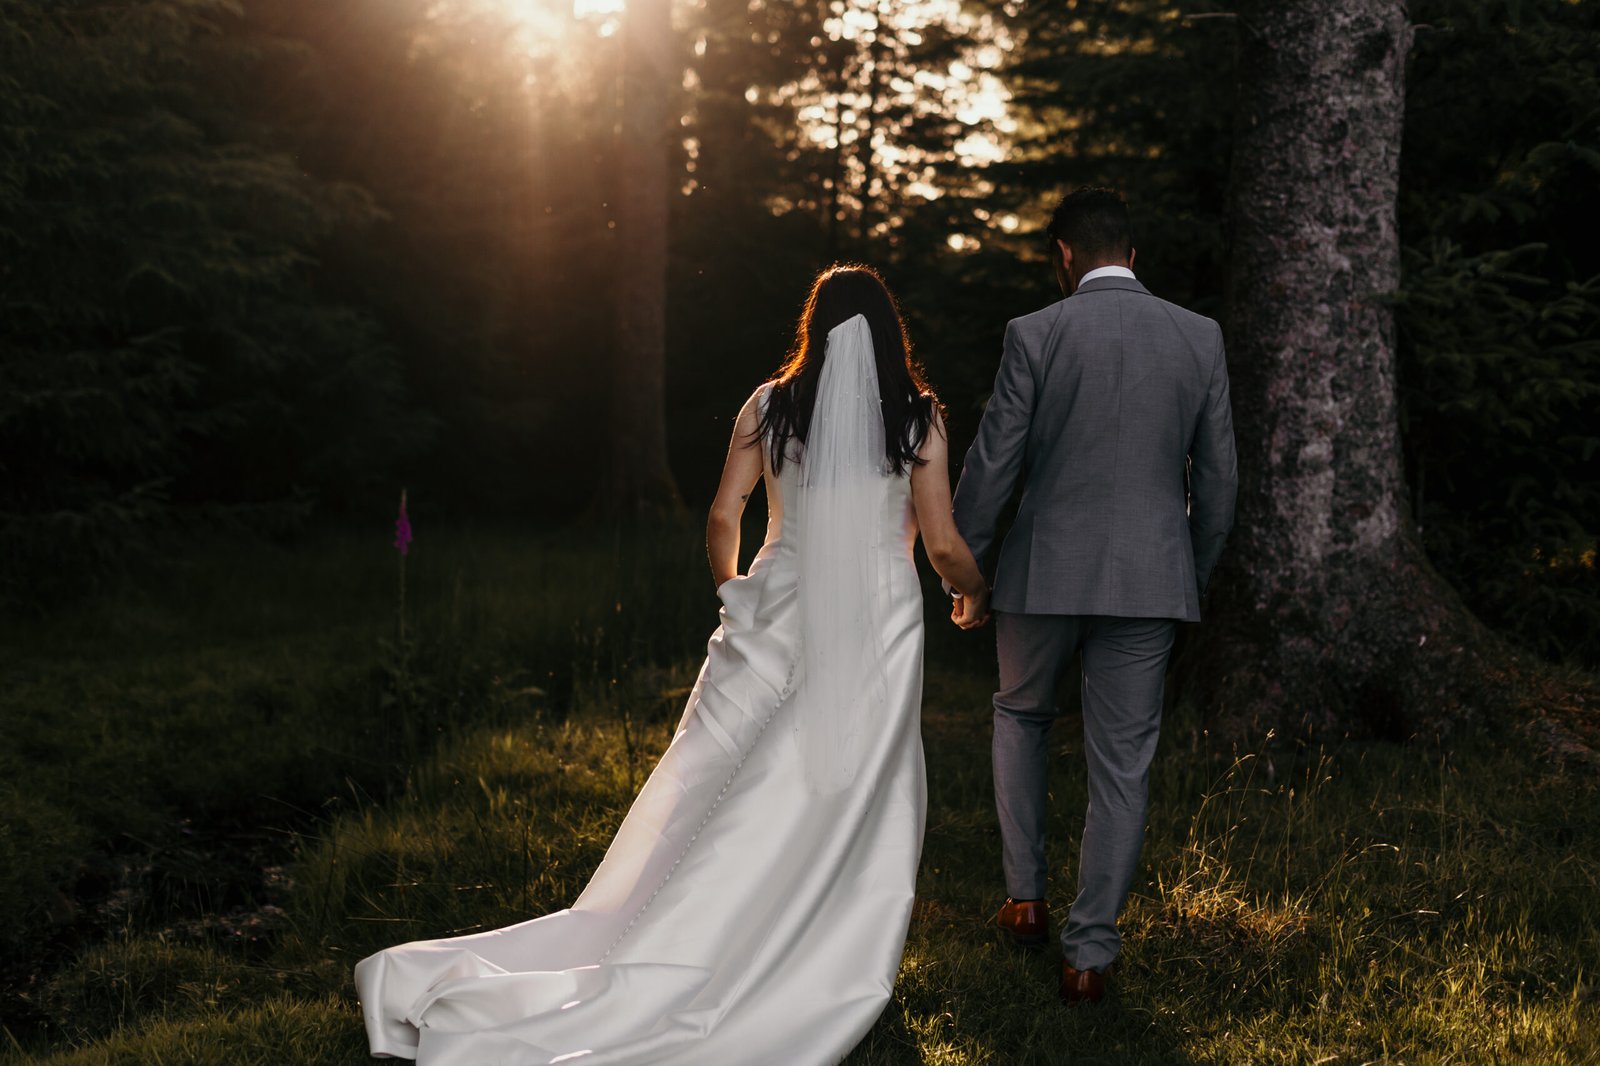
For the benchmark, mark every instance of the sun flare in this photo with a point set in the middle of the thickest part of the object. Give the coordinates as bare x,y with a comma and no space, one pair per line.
542,23
535,10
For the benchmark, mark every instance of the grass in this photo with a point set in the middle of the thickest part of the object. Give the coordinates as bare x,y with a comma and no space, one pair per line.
1364,903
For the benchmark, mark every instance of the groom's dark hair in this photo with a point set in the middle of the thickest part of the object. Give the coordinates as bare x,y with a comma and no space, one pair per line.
1093,222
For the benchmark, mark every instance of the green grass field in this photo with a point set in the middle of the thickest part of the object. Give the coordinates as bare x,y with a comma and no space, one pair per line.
222,791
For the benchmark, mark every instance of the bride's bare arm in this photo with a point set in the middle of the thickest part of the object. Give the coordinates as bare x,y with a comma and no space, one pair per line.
930,493
739,476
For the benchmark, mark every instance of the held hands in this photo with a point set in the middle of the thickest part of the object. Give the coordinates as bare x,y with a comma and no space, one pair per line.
970,612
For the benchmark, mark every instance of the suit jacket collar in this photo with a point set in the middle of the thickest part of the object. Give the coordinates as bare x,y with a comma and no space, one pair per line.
1109,281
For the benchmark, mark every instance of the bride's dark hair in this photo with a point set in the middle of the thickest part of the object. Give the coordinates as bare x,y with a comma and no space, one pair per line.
839,294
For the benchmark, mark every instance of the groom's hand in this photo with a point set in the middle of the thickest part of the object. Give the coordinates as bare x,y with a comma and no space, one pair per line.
970,612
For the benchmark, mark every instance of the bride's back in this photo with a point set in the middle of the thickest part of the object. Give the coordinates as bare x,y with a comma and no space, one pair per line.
897,526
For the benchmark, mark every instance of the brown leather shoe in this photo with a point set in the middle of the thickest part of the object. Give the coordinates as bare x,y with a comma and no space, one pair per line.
1081,986
1025,922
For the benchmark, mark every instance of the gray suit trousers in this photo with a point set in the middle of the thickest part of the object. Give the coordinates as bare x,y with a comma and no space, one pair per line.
1124,668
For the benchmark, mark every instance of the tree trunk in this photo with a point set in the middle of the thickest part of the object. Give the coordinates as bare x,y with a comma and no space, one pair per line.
1326,614
876,84
833,200
640,484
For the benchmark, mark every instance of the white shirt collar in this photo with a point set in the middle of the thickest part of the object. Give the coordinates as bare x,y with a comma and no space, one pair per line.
1106,272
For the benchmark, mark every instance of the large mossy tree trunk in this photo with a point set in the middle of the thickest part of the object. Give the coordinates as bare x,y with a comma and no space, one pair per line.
640,485
1326,615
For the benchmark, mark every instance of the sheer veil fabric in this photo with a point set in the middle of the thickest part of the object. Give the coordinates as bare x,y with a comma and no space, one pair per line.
838,509
754,902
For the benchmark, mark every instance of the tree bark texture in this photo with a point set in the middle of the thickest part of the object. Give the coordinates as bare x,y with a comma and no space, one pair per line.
1326,614
641,483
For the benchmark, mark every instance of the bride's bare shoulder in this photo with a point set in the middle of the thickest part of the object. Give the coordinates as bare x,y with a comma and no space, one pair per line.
747,423
756,405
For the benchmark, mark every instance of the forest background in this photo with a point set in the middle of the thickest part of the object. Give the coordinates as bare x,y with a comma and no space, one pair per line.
266,264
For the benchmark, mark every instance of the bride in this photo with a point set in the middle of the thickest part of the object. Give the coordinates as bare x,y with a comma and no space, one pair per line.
754,903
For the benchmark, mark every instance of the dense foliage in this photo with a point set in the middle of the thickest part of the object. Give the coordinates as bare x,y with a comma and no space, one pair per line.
1500,315
170,349
264,260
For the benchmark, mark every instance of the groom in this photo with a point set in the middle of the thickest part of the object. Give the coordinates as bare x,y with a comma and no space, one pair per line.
1103,400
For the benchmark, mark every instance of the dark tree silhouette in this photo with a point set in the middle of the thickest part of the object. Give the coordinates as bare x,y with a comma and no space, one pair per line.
640,482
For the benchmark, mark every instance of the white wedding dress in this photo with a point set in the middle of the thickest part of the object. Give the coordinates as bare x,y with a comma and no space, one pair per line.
753,906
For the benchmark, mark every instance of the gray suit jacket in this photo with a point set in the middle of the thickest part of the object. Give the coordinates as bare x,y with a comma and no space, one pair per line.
1101,401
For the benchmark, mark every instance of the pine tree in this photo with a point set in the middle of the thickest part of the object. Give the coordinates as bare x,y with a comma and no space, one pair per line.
1326,612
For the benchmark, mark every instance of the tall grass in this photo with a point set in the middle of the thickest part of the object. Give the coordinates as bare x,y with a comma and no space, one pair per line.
1360,903
154,742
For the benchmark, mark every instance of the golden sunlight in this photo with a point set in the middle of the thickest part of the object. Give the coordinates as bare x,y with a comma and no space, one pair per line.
546,19
532,11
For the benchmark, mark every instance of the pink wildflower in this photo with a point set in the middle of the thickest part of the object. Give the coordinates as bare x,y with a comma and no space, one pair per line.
402,527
